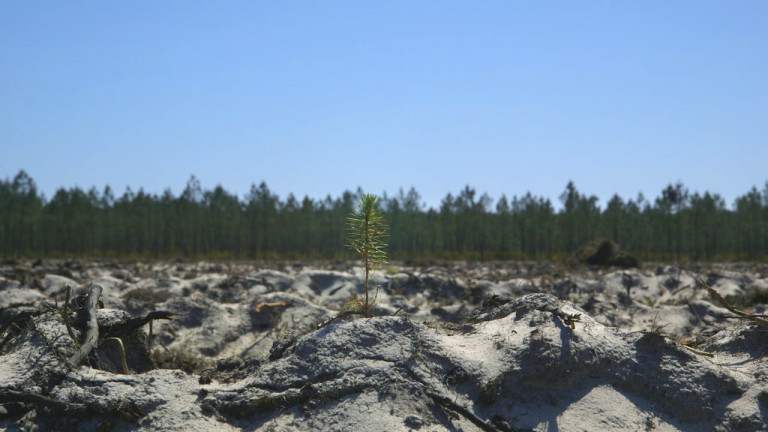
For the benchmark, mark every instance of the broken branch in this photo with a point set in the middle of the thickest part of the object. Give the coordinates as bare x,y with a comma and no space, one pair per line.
722,301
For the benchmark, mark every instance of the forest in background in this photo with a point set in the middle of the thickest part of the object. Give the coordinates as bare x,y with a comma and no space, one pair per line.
214,224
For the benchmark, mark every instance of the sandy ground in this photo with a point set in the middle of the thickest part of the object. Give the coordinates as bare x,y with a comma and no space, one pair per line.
451,346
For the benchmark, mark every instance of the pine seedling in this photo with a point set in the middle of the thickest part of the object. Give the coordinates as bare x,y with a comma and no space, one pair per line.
367,230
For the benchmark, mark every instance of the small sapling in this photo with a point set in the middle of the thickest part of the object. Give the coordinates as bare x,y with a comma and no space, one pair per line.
367,231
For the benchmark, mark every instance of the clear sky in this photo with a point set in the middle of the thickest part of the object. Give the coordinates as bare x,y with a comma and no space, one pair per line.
318,97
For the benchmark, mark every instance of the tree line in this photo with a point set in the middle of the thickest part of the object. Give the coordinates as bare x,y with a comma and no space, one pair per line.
677,225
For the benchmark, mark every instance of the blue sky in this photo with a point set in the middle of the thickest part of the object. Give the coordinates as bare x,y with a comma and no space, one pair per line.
318,97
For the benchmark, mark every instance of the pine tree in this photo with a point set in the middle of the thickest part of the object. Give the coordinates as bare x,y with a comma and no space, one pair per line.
367,230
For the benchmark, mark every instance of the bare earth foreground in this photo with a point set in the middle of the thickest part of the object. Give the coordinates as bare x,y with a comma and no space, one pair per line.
507,346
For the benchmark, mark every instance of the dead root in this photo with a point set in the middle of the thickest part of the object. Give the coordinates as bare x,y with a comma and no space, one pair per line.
739,314
258,307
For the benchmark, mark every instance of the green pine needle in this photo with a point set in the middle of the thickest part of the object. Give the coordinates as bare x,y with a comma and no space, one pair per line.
367,230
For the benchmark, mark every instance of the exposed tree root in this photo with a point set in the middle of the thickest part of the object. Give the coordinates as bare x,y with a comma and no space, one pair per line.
92,333
14,396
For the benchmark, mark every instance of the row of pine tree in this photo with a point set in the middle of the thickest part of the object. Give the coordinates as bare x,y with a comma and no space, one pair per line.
199,223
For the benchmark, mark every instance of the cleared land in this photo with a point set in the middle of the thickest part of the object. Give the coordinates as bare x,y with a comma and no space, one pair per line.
452,346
